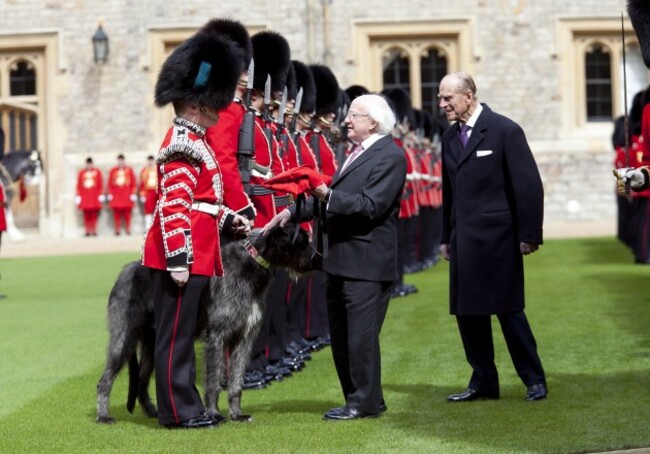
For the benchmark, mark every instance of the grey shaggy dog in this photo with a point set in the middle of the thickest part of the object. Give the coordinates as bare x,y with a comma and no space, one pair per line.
230,318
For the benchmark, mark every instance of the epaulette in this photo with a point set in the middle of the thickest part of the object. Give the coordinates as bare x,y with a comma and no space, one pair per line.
185,135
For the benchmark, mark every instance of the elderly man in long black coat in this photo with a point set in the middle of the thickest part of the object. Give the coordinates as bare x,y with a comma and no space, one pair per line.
492,215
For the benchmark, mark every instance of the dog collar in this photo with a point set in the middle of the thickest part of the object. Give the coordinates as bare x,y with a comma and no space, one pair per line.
255,255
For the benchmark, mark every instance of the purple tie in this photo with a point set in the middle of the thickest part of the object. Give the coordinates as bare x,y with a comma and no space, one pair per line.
464,137
358,149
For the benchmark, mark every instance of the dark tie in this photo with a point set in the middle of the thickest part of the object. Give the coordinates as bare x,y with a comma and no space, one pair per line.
358,149
464,137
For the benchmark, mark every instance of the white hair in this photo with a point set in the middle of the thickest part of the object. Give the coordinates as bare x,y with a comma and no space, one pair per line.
380,111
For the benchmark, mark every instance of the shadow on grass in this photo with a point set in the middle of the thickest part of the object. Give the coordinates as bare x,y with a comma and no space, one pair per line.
583,413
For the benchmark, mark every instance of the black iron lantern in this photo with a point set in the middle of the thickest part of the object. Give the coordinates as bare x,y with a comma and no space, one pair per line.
100,45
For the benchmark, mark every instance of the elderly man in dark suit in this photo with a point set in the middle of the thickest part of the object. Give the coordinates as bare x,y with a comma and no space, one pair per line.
492,215
360,217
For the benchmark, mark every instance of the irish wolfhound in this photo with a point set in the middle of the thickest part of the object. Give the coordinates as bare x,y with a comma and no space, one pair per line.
230,319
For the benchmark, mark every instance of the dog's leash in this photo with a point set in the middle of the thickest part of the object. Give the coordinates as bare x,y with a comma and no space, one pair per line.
255,255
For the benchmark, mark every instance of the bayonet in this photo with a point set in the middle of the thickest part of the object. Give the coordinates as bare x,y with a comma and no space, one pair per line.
249,83
296,111
267,99
283,108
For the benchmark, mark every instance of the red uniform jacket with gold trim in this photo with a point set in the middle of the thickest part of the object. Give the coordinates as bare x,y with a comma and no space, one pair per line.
182,234
90,187
147,188
121,187
3,201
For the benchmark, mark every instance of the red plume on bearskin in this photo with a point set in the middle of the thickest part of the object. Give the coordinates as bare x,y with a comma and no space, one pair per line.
305,79
639,12
204,70
327,89
235,31
272,56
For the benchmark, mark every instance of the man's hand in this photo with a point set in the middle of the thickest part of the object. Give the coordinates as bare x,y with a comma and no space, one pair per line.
180,277
320,192
241,225
635,178
279,219
527,248
445,250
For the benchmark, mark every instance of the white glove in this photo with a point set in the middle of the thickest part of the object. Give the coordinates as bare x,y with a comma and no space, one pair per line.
143,199
629,176
110,197
77,200
101,198
133,198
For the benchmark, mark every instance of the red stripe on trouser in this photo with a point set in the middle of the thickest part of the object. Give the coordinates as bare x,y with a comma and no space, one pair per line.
171,355
308,311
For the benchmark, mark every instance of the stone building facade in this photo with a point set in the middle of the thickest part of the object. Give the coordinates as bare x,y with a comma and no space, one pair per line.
528,58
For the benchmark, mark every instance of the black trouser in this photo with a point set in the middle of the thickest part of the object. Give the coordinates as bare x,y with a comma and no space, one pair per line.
425,237
411,245
317,319
356,313
176,313
476,333
297,302
402,238
276,302
641,237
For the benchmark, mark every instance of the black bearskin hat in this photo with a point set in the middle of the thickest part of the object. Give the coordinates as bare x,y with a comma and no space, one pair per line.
327,89
305,79
344,100
639,12
354,91
427,124
235,31
401,103
204,70
272,57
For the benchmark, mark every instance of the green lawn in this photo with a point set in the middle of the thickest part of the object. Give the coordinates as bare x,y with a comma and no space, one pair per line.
589,307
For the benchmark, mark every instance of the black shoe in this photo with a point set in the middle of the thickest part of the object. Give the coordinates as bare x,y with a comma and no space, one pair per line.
537,392
398,291
277,373
254,380
408,288
347,414
472,394
382,407
199,422
414,268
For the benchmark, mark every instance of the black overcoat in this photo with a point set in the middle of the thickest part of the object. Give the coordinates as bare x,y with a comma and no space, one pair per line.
493,199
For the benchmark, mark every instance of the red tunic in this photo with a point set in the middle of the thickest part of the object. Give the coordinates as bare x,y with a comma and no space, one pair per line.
148,187
223,138
3,200
121,187
90,187
408,206
328,164
183,234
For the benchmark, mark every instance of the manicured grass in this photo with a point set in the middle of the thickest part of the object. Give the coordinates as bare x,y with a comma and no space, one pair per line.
589,307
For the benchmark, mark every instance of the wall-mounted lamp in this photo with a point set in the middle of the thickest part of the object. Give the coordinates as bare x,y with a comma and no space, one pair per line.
100,45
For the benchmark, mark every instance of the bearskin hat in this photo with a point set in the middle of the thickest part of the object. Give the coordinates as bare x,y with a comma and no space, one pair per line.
344,100
305,80
401,103
327,89
236,32
354,91
292,84
272,57
639,12
204,70
427,124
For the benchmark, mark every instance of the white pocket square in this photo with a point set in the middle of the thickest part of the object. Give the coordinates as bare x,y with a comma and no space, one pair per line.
481,153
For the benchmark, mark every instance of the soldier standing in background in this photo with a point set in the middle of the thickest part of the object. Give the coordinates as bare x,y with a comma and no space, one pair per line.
147,190
89,196
121,194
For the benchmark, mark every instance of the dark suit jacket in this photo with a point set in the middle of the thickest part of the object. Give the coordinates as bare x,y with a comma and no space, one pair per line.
492,199
361,216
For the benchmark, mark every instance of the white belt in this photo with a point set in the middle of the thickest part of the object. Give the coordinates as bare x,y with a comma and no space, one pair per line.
205,207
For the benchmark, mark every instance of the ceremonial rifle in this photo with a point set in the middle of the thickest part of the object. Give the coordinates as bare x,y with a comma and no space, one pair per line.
267,111
292,126
626,119
281,134
246,142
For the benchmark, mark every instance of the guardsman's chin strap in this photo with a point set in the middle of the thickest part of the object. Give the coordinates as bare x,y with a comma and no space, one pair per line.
255,255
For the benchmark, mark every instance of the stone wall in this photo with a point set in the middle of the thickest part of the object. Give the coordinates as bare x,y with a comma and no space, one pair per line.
107,109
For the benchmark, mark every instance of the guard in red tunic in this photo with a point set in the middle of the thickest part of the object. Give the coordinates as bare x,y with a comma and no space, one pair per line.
147,190
223,137
90,195
3,207
121,194
182,244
